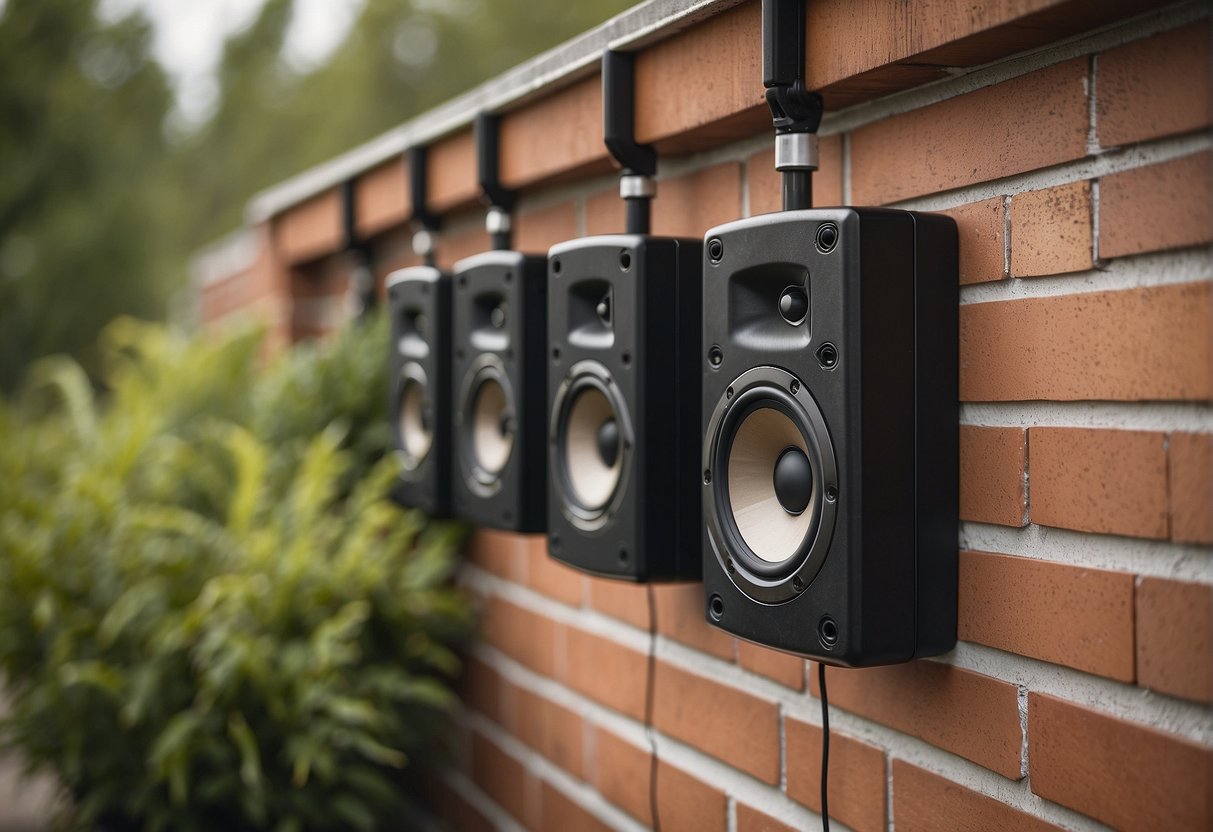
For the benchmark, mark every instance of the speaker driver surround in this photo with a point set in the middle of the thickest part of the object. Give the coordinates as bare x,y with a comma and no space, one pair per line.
593,441
415,418
770,496
488,424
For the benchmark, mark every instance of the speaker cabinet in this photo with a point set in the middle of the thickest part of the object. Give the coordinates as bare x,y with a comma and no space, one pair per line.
499,333
419,396
829,456
623,380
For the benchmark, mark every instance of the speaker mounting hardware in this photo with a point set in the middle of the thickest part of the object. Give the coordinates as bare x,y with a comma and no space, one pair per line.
827,632
555,265
715,250
827,356
716,607
715,356
625,260
827,237
794,386
707,477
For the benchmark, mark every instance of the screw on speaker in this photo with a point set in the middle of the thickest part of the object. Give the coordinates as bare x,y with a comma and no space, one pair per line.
771,483
419,401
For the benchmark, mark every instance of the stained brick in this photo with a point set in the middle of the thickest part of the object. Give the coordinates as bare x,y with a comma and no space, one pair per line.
552,730
782,667
559,813
857,775
537,231
381,197
1109,481
752,820
687,804
625,601
993,475
1130,345
680,616
550,576
730,724
1154,87
982,135
605,671
982,232
1191,486
1071,615
525,636
925,802
1175,638
1168,205
622,773
688,205
1051,230
1126,775
766,190
958,710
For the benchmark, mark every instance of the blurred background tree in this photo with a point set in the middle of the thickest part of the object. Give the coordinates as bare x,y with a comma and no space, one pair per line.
102,199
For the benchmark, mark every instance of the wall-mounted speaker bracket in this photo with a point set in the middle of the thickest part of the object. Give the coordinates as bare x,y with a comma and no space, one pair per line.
498,198
423,221
795,111
639,161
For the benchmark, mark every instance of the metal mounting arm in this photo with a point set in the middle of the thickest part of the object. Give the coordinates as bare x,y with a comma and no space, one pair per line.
639,161
500,200
424,223
795,112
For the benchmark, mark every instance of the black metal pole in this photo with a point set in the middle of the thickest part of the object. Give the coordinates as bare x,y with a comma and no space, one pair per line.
797,189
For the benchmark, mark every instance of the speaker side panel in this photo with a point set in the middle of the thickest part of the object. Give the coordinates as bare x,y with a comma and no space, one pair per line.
513,285
689,356
422,293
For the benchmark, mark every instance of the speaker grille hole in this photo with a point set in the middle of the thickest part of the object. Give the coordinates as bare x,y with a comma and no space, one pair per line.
716,607
827,632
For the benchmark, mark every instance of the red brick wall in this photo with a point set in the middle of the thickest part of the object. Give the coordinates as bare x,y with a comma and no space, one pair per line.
1080,175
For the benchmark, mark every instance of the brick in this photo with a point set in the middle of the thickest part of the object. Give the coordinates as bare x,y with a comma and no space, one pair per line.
606,672
537,231
524,636
552,730
605,213
310,229
1175,638
454,245
382,198
480,688
680,616
551,577
1051,231
784,668
1069,615
1108,481
1158,86
982,232
857,775
752,820
626,601
993,475
504,779
730,724
556,136
450,174
1129,345
687,804
688,205
766,189
455,812
982,135
1168,205
560,814
1126,775
705,81
924,802
504,554
1191,487
970,714
622,773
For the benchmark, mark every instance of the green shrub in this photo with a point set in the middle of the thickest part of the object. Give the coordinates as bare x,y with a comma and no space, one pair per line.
210,618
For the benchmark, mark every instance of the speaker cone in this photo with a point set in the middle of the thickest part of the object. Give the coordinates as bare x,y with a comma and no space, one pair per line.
771,484
414,422
492,427
592,443
487,422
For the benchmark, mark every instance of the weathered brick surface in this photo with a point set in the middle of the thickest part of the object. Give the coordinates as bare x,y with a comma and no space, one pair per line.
687,804
924,802
857,775
1175,638
381,197
982,240
1191,487
451,172
626,601
605,671
687,206
752,820
1126,775
993,475
1051,231
680,616
782,667
311,229
1070,615
555,137
1162,206
622,774
537,231
524,636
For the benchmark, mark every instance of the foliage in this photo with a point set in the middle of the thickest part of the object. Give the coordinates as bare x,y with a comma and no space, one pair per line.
209,616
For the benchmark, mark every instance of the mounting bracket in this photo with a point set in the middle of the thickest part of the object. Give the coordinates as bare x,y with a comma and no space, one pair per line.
795,111
498,198
639,161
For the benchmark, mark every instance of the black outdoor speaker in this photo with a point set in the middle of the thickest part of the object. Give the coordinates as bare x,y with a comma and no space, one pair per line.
499,345
624,315
829,455
419,397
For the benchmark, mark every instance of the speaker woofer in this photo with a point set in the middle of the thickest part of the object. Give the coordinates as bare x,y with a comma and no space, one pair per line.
593,440
771,486
488,424
414,426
